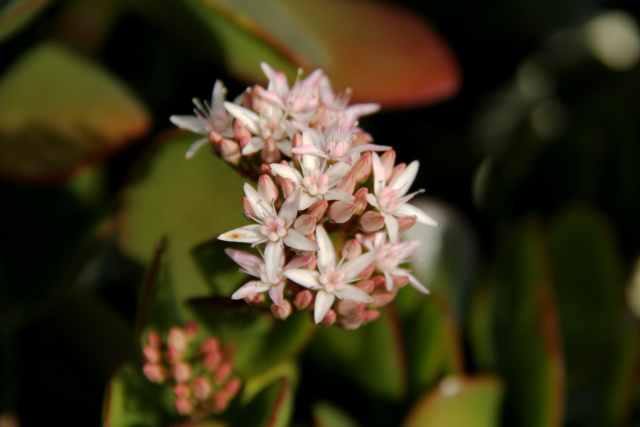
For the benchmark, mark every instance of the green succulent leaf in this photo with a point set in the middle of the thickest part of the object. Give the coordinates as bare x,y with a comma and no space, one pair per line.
60,111
272,407
459,402
326,414
16,14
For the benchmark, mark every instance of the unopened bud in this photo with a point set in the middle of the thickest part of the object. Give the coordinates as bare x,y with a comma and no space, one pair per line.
215,140
303,299
318,209
400,281
154,340
360,199
341,211
350,308
329,318
352,323
265,169
380,300
371,315
348,183
201,388
288,188
270,151
230,151
241,133
367,272
173,354
219,402
211,360
371,221
151,355
191,329
183,406
405,223
222,373
154,372
362,168
267,189
305,224
314,260
351,249
177,339
379,283
246,207
181,372
232,387
210,345
254,299
388,159
281,311
366,285
181,391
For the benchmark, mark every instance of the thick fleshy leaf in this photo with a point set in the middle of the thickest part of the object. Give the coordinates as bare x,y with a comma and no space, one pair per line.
459,402
59,111
15,14
184,201
354,355
328,415
598,348
272,407
345,38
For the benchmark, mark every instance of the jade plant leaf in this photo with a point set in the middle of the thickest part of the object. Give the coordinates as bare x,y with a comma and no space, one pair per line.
345,38
376,347
527,332
459,402
60,111
328,415
588,272
188,201
272,407
16,14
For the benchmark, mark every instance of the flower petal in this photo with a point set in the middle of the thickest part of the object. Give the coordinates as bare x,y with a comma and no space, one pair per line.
403,182
298,262
294,239
353,293
306,278
248,117
276,294
324,301
273,260
289,208
246,234
417,213
192,123
195,147
416,284
356,266
250,288
326,254
254,145
287,172
338,194
392,228
249,262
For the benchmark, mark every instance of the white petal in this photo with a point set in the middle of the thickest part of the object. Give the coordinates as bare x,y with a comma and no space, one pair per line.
276,294
354,267
248,117
417,213
416,284
309,150
289,208
295,240
337,172
326,254
310,164
379,178
249,262
273,260
392,228
254,145
192,123
403,182
286,172
260,207
368,147
324,301
246,234
306,278
338,194
253,287
195,147
285,147
306,200
298,262
372,200
388,280
353,293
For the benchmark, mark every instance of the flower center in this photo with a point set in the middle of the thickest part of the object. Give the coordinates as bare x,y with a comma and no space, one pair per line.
332,280
315,184
388,200
387,258
274,228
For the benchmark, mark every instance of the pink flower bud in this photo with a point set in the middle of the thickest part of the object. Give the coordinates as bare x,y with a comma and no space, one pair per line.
181,391
329,318
361,200
350,308
281,311
318,209
305,224
265,169
371,315
181,372
380,300
201,388
254,299
352,249
246,207
362,168
211,360
341,211
154,372
388,159
348,183
270,151
405,223
210,345
241,133
215,140
400,281
232,387
367,272
379,283
191,329
296,141
222,373
151,355
219,402
183,406
154,340
366,285
173,354
288,188
371,221
267,189
177,339
303,299
230,151
314,260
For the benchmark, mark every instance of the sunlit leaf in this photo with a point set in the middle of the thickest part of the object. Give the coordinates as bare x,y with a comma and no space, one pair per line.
15,14
59,111
459,402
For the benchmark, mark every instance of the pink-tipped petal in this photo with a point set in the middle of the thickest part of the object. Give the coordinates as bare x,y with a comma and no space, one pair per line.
326,253
277,294
246,234
354,293
306,278
417,213
295,240
324,301
250,288
249,262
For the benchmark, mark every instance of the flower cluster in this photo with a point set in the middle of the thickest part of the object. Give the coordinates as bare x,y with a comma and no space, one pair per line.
201,377
328,209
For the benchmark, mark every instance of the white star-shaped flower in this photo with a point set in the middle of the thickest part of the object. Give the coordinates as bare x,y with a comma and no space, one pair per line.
332,280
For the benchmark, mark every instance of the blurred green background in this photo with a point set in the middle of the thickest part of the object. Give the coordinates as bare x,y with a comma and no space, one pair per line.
523,114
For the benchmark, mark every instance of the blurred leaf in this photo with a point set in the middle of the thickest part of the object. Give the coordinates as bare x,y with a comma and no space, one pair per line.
187,201
256,339
346,39
588,273
223,274
58,112
328,415
459,402
527,333
272,407
371,356
15,14
481,323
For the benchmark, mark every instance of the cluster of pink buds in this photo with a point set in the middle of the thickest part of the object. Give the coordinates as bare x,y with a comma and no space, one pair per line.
328,210
201,376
